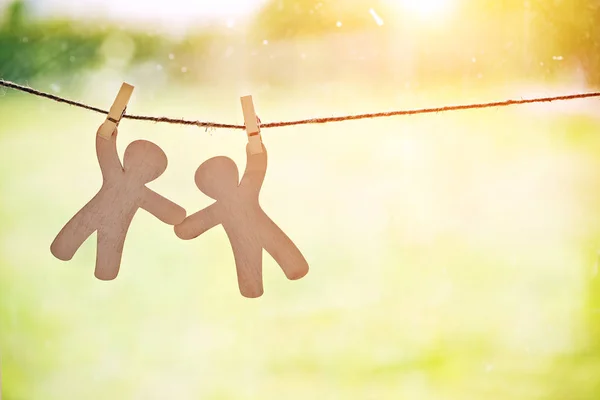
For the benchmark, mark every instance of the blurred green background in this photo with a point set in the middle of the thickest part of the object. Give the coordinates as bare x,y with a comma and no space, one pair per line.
453,256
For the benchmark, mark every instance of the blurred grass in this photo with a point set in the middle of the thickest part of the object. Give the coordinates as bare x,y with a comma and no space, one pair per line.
452,256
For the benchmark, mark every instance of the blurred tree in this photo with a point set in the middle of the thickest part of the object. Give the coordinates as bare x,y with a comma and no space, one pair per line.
15,15
539,38
284,19
558,35
54,49
569,30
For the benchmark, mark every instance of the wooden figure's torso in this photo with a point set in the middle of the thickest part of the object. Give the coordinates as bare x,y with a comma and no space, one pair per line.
242,218
123,196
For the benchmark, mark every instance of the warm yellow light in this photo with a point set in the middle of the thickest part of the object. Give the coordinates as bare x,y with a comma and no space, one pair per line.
427,9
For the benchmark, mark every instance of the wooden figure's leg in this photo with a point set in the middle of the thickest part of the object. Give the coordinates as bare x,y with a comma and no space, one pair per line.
73,234
109,254
283,250
248,263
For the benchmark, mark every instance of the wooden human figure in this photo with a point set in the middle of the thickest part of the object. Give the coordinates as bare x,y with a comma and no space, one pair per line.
248,227
112,209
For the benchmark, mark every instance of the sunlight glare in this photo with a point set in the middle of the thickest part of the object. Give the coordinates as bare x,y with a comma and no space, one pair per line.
427,9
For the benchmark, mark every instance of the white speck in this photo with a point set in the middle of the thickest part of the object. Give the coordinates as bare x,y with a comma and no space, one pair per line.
230,23
489,367
159,67
265,42
171,56
376,17
72,58
474,59
303,56
479,75
541,63
25,39
184,69
557,58
55,87
338,24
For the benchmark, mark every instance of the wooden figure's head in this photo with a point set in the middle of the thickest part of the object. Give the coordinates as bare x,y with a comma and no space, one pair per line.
217,177
146,159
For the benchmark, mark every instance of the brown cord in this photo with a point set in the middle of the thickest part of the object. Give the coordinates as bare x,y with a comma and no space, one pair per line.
323,120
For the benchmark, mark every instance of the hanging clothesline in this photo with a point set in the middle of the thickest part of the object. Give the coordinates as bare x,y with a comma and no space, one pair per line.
322,120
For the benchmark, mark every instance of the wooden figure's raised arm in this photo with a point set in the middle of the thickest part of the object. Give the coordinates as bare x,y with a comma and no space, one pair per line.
106,137
256,168
162,208
108,158
198,223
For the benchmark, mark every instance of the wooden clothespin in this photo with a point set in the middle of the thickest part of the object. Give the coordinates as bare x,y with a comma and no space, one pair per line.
116,111
251,122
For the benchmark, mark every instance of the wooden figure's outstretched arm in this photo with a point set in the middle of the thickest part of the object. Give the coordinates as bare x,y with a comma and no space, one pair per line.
162,208
108,158
198,223
256,168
